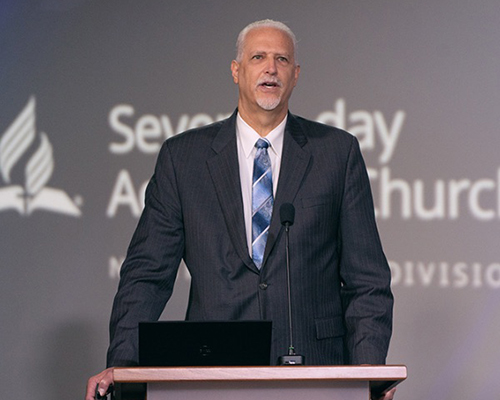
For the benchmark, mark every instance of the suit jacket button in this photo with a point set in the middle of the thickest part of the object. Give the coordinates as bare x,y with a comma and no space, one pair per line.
263,286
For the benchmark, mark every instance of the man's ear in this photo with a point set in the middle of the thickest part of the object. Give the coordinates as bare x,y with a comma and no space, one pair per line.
297,73
234,70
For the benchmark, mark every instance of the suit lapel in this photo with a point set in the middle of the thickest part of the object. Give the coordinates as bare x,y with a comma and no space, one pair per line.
224,170
294,163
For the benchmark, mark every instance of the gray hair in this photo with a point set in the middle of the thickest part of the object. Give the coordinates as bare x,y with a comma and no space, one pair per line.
265,23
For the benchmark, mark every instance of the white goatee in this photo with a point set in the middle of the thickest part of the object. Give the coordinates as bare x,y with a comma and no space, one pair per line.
269,104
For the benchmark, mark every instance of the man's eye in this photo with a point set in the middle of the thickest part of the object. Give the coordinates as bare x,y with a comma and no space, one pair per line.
257,57
283,59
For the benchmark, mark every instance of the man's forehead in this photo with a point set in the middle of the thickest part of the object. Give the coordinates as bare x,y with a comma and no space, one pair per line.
266,38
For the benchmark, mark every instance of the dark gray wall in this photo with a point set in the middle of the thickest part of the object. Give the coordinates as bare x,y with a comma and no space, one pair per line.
89,90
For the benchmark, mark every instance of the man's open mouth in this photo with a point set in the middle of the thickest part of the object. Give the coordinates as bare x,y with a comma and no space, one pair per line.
269,84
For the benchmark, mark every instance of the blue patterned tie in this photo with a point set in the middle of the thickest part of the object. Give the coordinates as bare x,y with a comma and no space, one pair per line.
262,201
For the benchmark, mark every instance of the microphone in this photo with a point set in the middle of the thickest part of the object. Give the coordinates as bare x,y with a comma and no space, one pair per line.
287,217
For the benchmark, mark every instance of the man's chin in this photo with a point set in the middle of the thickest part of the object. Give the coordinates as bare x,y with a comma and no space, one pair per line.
269,104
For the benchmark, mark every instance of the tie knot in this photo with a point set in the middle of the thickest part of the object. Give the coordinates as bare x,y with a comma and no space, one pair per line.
262,144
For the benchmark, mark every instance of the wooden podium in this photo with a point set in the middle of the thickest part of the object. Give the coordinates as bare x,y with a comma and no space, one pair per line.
256,383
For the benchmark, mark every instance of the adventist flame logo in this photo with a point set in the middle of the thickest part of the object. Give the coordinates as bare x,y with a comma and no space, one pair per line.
14,143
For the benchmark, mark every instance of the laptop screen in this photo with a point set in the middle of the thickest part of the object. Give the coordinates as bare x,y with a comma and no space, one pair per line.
207,343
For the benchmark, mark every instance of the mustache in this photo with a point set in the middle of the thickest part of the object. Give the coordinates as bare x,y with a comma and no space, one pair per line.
269,79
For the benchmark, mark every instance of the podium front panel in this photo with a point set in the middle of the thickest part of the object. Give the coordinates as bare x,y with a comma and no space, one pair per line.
248,390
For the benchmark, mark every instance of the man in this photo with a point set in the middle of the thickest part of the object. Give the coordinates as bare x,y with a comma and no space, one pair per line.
200,207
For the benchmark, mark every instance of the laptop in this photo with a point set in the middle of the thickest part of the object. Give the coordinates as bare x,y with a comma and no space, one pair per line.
207,343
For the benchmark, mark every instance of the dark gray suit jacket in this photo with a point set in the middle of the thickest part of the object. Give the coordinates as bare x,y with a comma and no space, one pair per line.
342,302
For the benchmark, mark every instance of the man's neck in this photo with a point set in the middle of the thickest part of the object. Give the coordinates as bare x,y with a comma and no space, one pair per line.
263,121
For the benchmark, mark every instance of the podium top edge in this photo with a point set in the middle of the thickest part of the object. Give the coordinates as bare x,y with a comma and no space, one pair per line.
175,374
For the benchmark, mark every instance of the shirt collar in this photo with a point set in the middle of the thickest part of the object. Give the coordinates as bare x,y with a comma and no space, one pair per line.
248,136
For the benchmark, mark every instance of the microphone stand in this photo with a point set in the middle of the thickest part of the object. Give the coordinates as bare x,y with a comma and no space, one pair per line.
291,358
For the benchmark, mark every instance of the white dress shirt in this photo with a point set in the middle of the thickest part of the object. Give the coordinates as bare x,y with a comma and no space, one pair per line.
247,137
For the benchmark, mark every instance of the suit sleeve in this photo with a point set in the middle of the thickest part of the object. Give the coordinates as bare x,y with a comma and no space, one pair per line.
148,273
366,294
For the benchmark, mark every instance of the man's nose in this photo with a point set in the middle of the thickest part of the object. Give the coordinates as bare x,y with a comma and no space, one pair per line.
271,66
